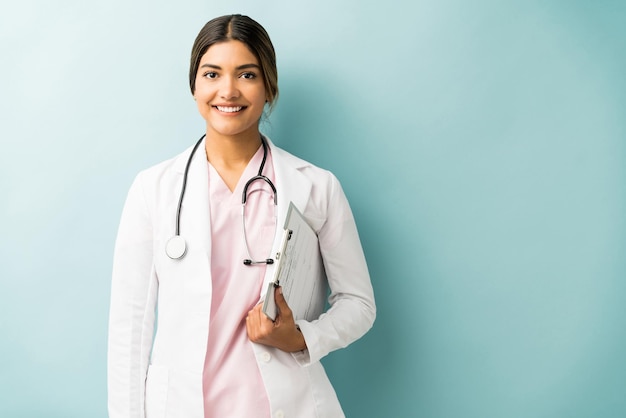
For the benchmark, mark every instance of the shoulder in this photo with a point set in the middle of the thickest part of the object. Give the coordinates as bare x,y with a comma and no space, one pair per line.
318,187
173,165
316,174
160,178
165,171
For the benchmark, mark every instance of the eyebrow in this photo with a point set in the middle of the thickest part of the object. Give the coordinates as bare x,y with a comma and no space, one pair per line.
241,67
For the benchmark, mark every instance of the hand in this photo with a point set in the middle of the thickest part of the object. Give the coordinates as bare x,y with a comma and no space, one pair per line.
281,333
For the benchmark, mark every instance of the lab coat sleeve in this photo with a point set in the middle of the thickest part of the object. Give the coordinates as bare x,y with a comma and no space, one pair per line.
352,308
132,309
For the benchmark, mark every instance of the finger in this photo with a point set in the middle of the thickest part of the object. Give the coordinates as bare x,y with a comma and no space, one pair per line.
259,328
281,302
249,328
256,319
254,322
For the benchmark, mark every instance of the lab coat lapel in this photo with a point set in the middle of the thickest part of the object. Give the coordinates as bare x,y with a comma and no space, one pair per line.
195,226
291,186
195,213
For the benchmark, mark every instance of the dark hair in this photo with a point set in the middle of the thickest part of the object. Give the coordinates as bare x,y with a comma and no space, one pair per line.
250,33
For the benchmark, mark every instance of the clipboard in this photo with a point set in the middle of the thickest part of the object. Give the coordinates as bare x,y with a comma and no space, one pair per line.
299,271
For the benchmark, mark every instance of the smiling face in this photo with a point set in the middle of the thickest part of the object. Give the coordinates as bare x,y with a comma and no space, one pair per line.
230,91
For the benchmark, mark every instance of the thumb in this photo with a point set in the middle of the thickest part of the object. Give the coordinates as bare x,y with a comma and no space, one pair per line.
281,302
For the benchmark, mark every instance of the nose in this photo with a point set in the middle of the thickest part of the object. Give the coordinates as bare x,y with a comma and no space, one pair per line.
228,88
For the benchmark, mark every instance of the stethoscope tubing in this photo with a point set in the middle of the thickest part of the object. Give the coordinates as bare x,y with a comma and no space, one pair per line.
176,247
184,186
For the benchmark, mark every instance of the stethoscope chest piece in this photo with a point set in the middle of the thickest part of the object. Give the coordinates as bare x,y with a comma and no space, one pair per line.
176,247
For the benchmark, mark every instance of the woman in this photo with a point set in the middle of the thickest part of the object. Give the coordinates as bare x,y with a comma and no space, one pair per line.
212,351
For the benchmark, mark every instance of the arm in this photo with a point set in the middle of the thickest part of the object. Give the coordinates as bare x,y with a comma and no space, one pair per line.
132,310
352,310
352,307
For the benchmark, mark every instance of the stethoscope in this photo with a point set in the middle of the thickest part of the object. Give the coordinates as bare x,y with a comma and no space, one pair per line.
176,247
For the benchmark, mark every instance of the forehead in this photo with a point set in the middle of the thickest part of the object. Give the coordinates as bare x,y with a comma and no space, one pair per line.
229,52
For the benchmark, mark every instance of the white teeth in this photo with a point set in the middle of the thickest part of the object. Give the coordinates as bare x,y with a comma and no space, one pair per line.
229,109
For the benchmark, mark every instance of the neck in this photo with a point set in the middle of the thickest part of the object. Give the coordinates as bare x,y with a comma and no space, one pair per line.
231,151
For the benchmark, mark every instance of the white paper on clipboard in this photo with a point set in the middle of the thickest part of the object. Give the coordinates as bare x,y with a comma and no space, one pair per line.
299,271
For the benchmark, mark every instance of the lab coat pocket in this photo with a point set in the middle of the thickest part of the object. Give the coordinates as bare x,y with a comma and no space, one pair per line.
156,391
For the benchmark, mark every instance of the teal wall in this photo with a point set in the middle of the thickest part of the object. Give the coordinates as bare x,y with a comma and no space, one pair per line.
482,145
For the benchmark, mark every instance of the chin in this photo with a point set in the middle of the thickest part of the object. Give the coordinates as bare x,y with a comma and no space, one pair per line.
231,130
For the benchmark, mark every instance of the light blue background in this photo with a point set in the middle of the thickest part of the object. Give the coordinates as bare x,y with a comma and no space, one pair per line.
481,144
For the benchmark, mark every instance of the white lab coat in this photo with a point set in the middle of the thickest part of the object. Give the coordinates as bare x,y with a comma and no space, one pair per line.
157,375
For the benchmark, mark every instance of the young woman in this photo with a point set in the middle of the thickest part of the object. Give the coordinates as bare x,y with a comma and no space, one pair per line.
181,248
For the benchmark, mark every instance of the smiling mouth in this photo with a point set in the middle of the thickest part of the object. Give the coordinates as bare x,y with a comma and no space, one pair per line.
229,109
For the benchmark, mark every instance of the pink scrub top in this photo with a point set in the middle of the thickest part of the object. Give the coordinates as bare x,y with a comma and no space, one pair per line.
232,383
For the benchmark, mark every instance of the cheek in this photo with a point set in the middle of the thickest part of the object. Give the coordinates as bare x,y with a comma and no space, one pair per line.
201,104
203,90
201,97
261,98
